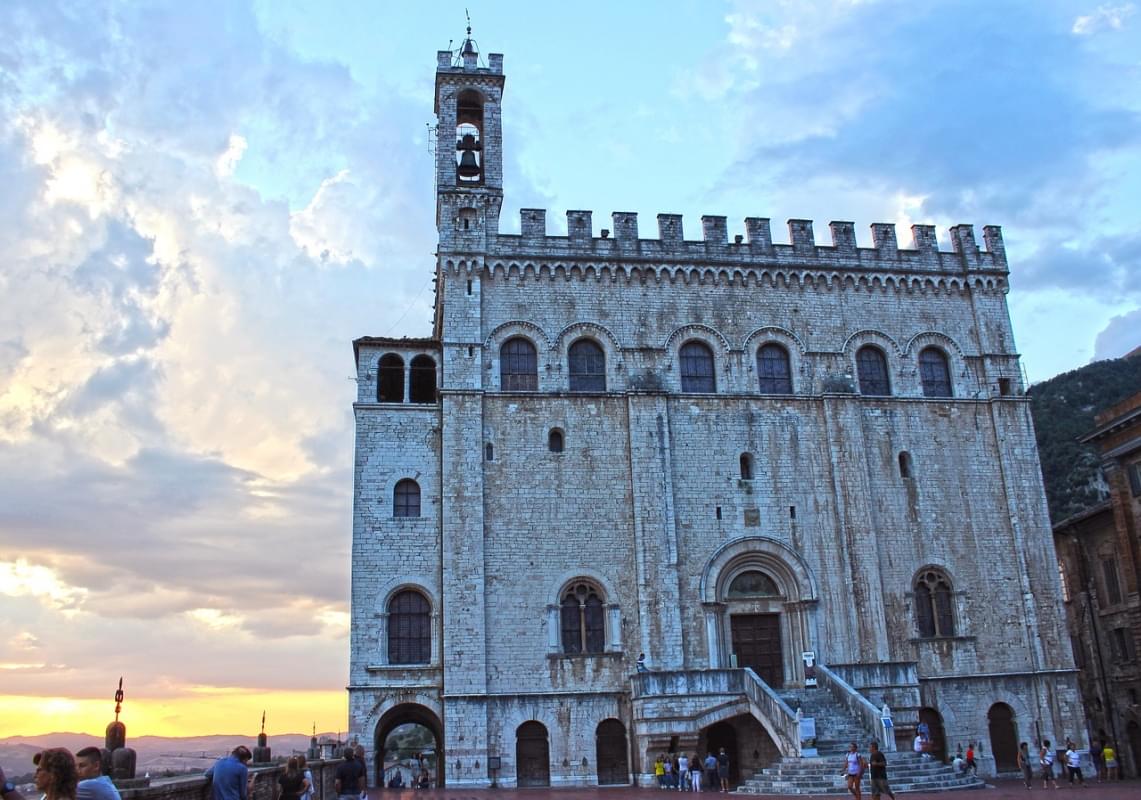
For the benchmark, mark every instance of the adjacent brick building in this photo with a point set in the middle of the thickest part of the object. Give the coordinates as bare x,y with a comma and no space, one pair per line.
721,453
1100,556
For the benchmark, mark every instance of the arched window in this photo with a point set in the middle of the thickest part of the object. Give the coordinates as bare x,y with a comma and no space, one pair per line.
753,583
773,370
871,366
555,440
933,604
390,379
581,619
746,466
587,367
409,629
518,366
469,138
406,499
934,372
422,381
697,368
904,464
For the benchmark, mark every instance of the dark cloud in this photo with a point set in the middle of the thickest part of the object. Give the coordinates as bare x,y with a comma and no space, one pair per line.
1106,267
1120,337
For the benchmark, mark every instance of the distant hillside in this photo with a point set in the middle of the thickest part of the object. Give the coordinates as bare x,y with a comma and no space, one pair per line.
156,754
1064,408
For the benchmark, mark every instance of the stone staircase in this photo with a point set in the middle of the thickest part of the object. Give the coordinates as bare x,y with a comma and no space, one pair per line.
835,729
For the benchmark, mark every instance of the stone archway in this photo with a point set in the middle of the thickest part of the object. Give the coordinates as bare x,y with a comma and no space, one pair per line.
612,753
403,715
758,595
532,755
1003,737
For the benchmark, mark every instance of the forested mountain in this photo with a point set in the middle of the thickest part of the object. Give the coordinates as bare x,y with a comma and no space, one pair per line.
1064,408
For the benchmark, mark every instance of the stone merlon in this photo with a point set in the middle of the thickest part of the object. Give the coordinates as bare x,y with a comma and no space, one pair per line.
756,247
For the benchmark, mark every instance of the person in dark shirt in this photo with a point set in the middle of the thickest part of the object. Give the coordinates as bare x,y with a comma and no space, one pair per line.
877,766
230,777
350,777
290,783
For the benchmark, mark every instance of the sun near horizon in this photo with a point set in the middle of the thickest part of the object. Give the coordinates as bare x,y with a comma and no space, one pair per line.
209,712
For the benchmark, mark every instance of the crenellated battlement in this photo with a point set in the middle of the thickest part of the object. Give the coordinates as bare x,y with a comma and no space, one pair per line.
756,247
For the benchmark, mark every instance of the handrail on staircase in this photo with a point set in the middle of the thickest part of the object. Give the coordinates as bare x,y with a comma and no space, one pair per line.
786,726
859,705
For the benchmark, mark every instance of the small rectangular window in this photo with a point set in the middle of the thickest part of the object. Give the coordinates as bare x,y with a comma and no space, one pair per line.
1004,387
1123,644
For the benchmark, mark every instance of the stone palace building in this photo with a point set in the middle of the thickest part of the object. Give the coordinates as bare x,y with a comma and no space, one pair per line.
762,465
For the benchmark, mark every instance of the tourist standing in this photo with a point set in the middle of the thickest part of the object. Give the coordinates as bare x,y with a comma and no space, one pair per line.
93,784
683,773
349,779
695,773
1098,760
660,771
291,783
230,778
56,775
711,772
853,769
1046,759
307,787
1074,764
1110,756
877,763
1024,764
969,765
723,770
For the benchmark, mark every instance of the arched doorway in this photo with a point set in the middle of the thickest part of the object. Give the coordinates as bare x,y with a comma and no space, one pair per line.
754,601
611,753
724,735
935,730
409,740
1003,737
532,755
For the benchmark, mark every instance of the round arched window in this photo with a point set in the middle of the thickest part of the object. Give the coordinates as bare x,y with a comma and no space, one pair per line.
753,583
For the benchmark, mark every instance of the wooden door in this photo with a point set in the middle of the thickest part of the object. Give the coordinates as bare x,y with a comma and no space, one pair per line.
611,753
1003,737
532,755
756,641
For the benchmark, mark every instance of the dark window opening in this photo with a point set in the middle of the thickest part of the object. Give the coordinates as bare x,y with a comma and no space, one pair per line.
555,441
1134,471
1004,387
934,373
518,366
422,381
469,138
718,512
488,452
934,605
1112,586
871,367
390,379
409,629
746,467
581,620
406,499
753,584
904,464
697,368
774,370
469,282
792,512
1122,644
587,367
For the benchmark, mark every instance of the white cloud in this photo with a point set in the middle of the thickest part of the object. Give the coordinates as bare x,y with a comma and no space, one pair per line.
1104,18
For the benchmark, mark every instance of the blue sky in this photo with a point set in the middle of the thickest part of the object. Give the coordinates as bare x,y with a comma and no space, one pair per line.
204,203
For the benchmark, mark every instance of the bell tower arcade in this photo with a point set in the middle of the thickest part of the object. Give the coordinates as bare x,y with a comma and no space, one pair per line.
469,147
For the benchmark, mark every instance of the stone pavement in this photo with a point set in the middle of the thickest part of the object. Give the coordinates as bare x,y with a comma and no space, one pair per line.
996,790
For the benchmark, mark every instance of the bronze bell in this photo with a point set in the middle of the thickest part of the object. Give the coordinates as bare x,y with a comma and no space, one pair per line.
468,167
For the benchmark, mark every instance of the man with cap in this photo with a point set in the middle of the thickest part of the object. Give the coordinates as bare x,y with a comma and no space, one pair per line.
230,776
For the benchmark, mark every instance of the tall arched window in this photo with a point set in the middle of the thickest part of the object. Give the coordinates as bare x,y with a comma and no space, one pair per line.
934,612
555,440
587,367
390,379
697,368
469,138
581,619
518,366
934,372
422,380
871,366
406,499
774,370
409,629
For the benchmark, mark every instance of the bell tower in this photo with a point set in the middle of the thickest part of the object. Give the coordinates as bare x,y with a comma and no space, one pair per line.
469,146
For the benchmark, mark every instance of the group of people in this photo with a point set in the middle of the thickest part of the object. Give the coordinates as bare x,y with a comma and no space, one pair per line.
63,776
678,771
1102,754
423,780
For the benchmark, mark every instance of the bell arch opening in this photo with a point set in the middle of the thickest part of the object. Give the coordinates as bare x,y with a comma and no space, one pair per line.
469,138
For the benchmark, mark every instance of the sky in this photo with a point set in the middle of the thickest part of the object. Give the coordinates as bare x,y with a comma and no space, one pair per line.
204,203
